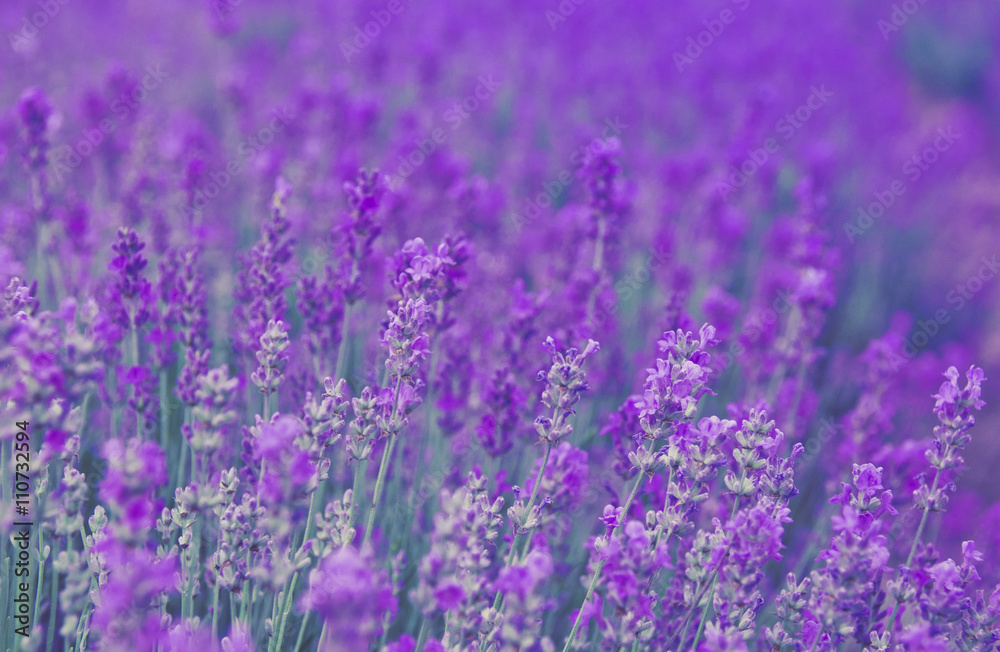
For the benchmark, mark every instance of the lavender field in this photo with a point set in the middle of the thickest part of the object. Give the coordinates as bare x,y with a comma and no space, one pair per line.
500,325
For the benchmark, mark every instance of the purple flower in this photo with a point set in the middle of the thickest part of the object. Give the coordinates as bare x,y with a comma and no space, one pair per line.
953,407
135,469
452,576
677,382
359,228
564,382
131,294
565,478
124,614
272,356
405,339
187,299
34,110
505,397
261,286
350,596
436,276
520,622
321,303
289,471
19,297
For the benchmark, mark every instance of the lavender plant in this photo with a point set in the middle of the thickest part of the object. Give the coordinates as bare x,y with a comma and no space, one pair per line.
373,413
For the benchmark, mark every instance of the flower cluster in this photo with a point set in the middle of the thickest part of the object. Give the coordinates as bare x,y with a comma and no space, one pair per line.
351,597
373,414
131,293
260,293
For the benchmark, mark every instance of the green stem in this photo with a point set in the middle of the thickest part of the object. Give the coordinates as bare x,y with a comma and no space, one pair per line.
383,467
379,485
302,631
245,597
38,595
791,332
597,264
310,518
164,410
215,610
83,627
196,562
185,594
715,579
233,615
322,638
425,630
274,619
531,503
659,533
263,463
704,612
342,348
913,548
53,597
600,565
291,590
179,480
432,437
360,469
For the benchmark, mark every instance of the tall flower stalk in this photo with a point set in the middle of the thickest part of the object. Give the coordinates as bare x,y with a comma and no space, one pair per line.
668,406
565,381
953,406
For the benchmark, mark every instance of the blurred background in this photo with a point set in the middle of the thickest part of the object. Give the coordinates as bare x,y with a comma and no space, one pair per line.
876,123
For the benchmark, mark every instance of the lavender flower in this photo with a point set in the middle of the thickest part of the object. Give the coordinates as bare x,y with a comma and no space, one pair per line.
626,195
271,358
953,407
350,598
122,618
131,294
34,111
452,574
260,292
211,414
135,468
359,228
564,382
